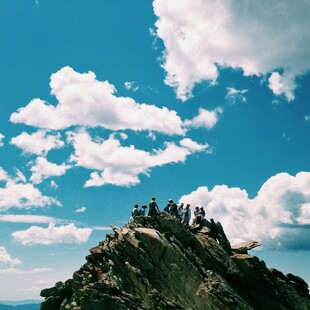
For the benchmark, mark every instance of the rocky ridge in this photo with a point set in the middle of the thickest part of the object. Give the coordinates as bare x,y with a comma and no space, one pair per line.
156,263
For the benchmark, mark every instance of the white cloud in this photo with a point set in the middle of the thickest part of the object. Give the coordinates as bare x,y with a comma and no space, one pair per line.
80,210
1,138
23,196
133,86
85,101
6,259
121,165
52,234
38,143
201,36
234,95
282,85
43,169
279,216
20,218
205,118
307,118
14,271
53,184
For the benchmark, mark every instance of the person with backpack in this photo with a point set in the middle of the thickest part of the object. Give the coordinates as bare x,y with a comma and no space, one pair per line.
153,207
167,208
173,208
143,210
201,214
186,215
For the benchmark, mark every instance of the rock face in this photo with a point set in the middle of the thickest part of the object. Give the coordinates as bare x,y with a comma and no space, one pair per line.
155,263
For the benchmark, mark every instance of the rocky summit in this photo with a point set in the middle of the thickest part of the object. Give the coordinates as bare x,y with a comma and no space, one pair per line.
157,263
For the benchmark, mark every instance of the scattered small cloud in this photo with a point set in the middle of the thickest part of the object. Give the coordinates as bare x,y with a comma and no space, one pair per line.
53,184
207,119
282,85
132,86
285,137
80,210
233,95
52,235
1,138
307,118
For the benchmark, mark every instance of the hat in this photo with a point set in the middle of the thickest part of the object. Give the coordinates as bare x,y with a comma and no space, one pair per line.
144,206
170,200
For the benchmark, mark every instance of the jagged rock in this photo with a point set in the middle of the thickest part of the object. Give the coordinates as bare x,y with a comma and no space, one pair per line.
244,247
155,263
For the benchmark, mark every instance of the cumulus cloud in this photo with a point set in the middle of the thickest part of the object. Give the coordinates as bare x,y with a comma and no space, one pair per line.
14,194
279,216
52,234
85,101
201,36
42,169
121,165
307,118
6,259
205,118
38,143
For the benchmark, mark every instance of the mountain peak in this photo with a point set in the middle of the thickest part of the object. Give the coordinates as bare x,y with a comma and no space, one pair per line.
157,263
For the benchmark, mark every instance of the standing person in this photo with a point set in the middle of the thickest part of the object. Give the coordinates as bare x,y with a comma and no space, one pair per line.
173,208
180,211
153,207
202,213
134,212
196,217
186,215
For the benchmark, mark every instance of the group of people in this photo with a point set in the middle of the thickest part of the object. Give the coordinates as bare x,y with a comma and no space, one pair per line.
183,213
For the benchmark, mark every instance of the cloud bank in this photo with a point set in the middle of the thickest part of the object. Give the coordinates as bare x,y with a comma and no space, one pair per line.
52,234
279,216
260,37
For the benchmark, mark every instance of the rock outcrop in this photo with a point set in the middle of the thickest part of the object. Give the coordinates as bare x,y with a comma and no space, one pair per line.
156,263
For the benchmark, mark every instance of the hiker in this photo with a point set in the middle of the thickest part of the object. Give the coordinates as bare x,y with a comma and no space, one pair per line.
153,207
213,230
196,220
167,208
134,212
180,211
173,208
142,210
186,215
201,213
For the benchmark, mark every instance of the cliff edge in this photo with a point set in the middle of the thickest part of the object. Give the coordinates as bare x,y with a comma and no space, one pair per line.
156,263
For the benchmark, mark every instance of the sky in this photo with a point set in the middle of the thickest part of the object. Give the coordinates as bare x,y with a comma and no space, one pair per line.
106,104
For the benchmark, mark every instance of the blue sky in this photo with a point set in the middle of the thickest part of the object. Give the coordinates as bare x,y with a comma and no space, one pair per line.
105,104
